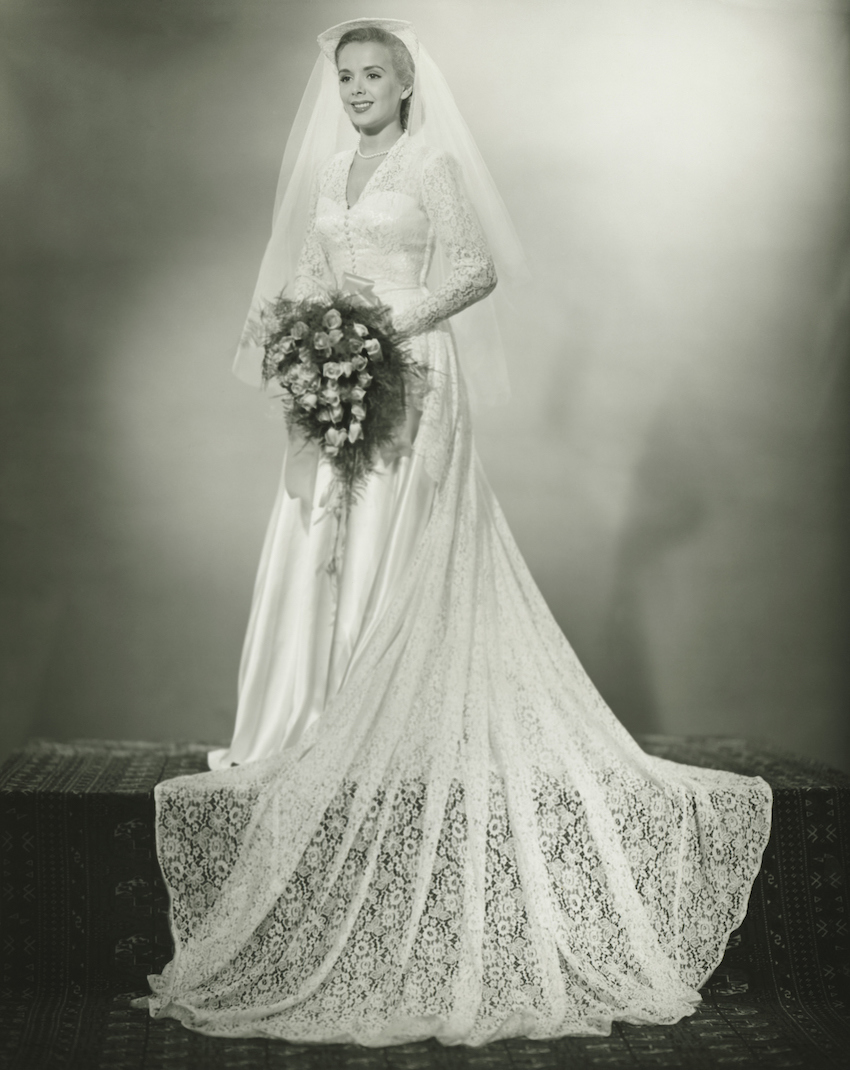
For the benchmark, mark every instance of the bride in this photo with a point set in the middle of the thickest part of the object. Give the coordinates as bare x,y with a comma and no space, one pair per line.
428,823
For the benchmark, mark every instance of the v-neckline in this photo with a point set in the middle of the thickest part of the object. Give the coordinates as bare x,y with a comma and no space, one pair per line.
350,207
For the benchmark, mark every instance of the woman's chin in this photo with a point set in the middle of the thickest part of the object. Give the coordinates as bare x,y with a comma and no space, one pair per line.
368,126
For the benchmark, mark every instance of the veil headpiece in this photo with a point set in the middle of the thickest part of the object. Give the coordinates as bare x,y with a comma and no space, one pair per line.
320,130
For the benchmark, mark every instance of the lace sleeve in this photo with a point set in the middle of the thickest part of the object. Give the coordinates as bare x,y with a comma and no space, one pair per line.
472,274
313,277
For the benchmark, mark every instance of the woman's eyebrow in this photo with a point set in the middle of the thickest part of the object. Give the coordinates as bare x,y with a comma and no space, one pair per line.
371,67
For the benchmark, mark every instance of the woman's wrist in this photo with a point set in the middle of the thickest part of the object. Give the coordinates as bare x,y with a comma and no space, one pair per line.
404,327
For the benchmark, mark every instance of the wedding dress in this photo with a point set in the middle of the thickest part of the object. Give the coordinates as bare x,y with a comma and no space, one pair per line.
438,828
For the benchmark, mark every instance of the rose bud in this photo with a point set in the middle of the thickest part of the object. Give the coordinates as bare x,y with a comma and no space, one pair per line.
335,437
331,319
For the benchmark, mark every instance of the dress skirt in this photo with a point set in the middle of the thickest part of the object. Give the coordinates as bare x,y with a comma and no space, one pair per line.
436,828
313,611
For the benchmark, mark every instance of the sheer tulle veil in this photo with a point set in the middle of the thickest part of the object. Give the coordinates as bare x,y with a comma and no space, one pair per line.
322,129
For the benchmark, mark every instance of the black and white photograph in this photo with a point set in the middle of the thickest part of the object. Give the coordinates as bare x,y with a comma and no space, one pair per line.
424,501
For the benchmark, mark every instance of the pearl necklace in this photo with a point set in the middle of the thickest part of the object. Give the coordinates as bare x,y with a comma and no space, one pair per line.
371,155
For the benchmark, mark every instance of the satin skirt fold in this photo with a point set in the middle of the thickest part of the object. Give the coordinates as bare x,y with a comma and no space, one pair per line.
309,623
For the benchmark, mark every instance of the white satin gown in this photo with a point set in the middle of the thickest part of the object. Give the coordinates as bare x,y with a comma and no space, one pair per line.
428,823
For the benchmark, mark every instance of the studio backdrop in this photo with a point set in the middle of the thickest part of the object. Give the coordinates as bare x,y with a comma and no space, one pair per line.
672,461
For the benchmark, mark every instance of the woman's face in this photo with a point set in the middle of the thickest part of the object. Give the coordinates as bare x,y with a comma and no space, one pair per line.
369,86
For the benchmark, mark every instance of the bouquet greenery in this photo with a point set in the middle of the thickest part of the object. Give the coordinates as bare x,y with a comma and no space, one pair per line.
345,377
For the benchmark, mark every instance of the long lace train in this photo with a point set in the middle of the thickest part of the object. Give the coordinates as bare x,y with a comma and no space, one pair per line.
467,845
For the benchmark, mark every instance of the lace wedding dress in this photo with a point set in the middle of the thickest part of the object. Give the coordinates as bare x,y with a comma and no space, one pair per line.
437,828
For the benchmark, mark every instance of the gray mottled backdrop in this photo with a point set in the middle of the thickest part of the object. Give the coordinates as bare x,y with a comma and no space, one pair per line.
673,462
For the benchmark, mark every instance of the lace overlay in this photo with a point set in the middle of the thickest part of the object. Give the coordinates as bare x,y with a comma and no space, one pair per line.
467,844
414,200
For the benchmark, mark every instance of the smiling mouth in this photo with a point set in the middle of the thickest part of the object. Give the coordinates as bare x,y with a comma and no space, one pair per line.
363,105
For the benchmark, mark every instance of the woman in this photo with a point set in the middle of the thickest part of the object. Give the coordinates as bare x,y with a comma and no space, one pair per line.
435,828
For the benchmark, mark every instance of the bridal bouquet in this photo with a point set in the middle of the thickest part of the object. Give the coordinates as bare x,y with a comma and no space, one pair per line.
344,376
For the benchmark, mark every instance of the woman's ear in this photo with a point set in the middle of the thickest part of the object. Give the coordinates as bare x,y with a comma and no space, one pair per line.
406,92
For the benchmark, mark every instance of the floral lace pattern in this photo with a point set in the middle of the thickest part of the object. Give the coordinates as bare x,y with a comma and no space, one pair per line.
467,845
414,200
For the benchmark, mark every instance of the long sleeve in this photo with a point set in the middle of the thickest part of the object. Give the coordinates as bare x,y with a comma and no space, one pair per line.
472,275
313,275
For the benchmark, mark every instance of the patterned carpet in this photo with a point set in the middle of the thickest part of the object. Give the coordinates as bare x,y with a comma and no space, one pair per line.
84,920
